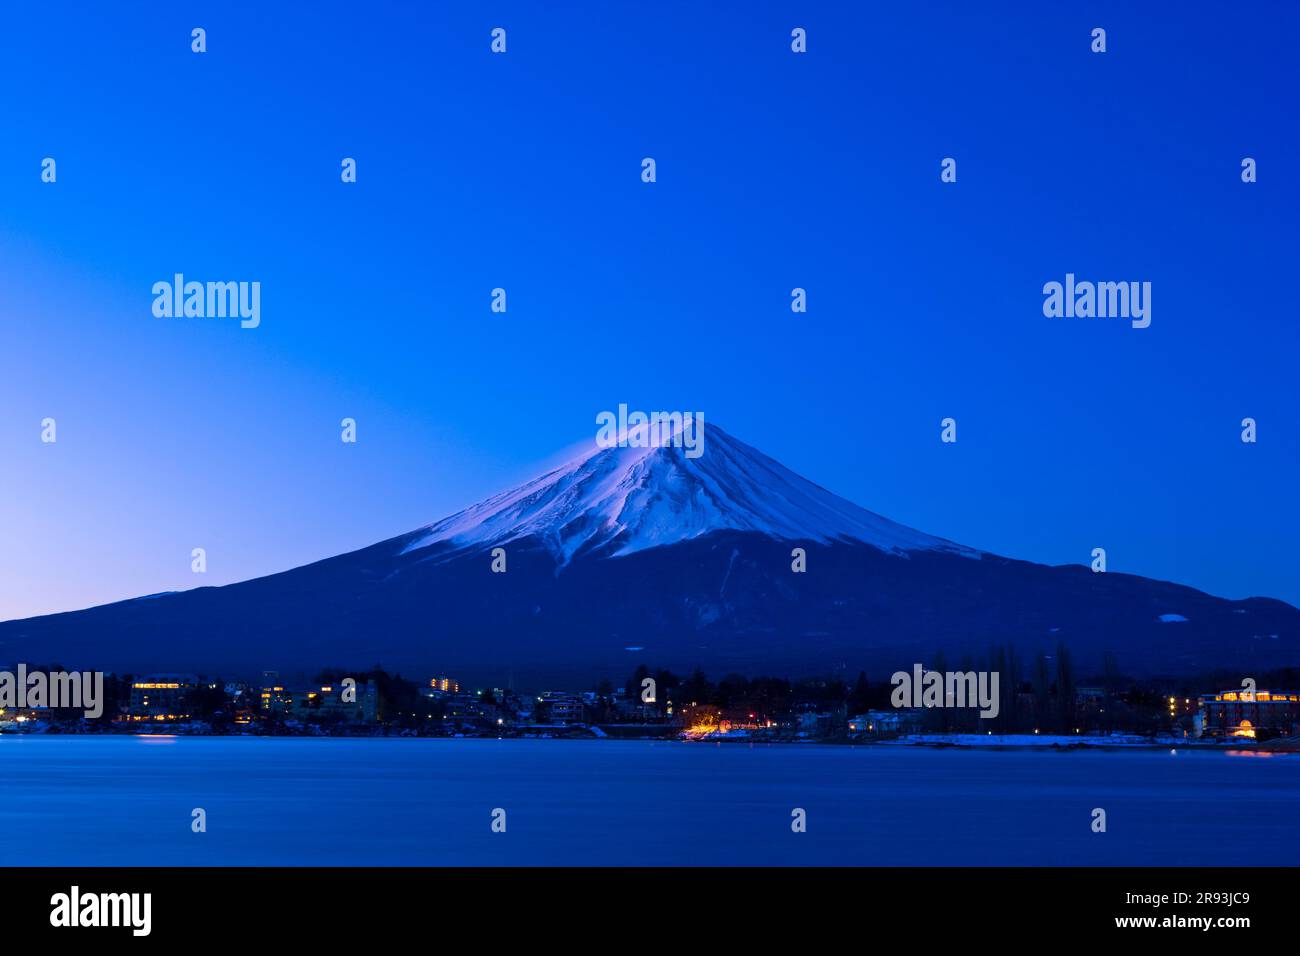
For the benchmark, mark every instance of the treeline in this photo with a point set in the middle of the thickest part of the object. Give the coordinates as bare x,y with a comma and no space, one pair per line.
1040,693
770,696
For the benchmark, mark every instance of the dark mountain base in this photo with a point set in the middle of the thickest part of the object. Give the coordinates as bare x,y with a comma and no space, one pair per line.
727,602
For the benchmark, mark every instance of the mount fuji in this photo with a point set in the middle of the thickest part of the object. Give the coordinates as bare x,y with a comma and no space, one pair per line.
631,497
637,554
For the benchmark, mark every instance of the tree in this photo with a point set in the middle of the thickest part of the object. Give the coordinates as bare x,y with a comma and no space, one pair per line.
860,696
732,689
1110,674
1042,693
632,689
1009,686
697,689
1065,686
204,701
942,718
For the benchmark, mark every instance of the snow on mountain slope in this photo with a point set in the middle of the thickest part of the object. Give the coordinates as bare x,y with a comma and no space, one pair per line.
631,499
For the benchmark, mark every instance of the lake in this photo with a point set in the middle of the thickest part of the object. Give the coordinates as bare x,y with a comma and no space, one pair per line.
108,800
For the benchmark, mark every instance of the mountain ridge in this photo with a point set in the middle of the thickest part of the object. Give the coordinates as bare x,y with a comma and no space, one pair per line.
687,561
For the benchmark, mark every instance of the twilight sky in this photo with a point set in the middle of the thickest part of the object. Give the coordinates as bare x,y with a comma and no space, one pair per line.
522,170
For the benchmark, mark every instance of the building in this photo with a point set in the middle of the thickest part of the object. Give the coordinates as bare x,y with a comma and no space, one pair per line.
630,706
472,709
886,723
275,697
559,708
1089,701
875,723
444,685
816,724
161,697
359,707
23,718
323,702
1249,714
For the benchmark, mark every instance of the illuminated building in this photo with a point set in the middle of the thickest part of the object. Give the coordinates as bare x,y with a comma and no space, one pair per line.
1249,714
275,698
325,700
445,685
886,723
161,697
877,723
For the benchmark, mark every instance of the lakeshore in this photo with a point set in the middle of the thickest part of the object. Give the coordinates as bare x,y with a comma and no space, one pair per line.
737,738
960,709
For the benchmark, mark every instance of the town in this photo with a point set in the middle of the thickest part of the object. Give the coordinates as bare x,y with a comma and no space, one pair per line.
1048,709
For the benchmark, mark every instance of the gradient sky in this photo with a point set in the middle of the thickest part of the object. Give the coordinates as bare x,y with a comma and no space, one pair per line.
523,171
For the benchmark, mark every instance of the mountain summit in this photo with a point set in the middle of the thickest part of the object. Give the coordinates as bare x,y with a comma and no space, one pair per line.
619,500
628,555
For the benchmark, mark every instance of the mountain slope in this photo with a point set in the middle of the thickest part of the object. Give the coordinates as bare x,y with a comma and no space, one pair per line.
627,555
627,499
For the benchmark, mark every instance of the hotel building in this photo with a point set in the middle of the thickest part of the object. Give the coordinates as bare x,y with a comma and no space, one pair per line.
1250,714
161,697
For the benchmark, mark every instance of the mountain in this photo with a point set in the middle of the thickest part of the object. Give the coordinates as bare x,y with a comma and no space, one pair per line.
620,500
634,554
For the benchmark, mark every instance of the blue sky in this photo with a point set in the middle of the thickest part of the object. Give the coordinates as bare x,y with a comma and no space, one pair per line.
775,170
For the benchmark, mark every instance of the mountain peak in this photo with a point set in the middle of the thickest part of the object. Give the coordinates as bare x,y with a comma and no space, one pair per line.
624,499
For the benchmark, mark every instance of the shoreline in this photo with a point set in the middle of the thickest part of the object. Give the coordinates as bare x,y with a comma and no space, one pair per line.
981,742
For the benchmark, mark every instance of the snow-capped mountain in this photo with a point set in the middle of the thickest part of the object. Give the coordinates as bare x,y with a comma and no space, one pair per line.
626,498
632,555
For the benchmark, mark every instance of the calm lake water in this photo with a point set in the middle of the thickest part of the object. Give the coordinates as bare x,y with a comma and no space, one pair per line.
127,801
